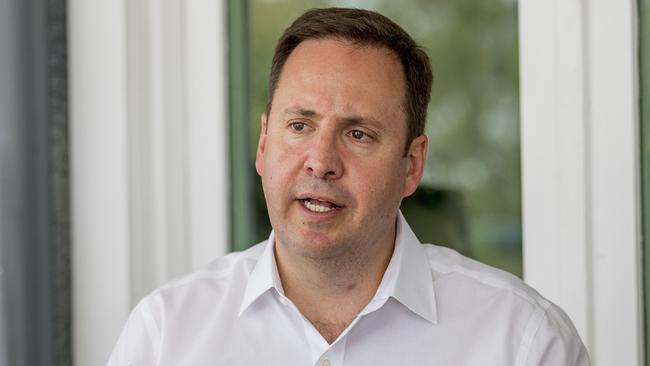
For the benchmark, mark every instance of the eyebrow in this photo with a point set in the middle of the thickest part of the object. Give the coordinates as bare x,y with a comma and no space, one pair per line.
301,112
349,120
359,120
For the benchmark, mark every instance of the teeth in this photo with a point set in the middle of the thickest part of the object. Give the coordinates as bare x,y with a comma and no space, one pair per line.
315,207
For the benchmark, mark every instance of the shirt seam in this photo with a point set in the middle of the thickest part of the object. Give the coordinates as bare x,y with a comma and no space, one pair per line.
531,299
530,333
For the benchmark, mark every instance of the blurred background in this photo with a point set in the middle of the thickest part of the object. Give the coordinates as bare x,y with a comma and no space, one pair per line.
128,132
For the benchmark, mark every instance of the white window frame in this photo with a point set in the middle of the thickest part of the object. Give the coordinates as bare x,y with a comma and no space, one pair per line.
580,160
149,166
581,168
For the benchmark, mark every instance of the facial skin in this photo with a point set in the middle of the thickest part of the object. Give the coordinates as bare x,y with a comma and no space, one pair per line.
334,141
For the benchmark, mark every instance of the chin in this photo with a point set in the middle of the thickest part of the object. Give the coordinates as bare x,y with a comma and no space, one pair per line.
315,244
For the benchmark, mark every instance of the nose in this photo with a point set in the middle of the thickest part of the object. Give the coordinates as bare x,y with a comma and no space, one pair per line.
323,159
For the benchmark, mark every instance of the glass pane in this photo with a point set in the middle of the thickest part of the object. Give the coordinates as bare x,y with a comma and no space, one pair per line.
470,196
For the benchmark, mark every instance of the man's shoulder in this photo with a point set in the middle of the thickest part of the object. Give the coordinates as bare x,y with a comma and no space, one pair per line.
505,306
450,266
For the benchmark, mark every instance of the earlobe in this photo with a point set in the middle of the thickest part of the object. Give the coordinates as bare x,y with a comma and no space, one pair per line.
261,145
416,160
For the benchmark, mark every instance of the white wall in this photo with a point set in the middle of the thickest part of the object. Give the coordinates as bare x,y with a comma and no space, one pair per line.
148,154
580,164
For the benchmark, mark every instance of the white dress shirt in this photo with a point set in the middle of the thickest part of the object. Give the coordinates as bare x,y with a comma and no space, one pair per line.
433,307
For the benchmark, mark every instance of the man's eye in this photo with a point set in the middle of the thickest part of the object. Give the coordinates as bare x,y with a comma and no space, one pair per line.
297,126
358,135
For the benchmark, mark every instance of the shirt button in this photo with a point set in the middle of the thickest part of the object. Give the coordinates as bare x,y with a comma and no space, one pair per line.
326,362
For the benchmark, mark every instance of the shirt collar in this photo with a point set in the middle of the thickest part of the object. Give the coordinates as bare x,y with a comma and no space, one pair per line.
408,277
263,277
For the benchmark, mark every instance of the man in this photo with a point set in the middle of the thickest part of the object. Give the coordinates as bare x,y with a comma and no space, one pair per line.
342,280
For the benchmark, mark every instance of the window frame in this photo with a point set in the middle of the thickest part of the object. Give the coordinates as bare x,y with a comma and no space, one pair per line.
567,98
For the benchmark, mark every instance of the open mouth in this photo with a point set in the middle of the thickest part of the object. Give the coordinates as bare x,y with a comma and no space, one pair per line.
315,205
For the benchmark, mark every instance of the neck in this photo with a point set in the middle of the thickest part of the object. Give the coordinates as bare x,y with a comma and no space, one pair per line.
331,292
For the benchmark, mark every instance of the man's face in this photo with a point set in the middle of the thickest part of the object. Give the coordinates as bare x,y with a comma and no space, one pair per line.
331,160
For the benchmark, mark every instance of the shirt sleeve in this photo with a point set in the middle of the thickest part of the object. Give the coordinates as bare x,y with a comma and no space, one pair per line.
139,340
556,342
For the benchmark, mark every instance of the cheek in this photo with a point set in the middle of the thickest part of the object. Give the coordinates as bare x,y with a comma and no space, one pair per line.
279,168
380,184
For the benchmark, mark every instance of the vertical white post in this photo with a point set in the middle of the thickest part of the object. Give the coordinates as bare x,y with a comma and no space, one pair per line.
555,154
158,143
98,128
207,120
615,182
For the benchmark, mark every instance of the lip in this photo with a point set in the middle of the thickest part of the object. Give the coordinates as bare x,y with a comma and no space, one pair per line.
312,215
322,198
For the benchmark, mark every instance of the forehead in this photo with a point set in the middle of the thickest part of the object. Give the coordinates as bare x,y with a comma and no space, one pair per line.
331,75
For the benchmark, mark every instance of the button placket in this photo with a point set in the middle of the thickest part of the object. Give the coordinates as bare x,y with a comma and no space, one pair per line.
335,354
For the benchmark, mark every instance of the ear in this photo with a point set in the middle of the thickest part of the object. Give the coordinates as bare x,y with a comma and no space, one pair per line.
259,156
415,162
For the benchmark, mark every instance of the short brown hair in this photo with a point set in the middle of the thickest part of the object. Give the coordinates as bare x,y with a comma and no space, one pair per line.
363,27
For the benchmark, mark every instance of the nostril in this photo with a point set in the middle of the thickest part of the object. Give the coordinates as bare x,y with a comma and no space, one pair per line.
321,174
323,167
